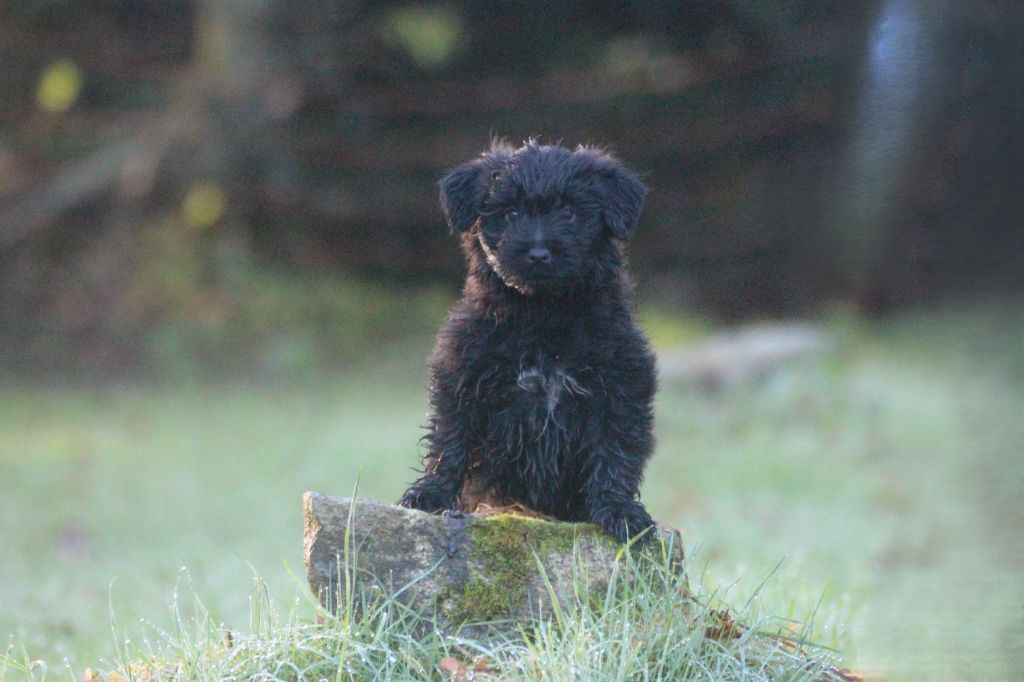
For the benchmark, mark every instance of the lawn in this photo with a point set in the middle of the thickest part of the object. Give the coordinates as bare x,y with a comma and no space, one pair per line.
879,487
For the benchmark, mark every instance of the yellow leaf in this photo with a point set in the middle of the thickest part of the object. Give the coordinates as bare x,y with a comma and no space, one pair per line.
59,86
204,205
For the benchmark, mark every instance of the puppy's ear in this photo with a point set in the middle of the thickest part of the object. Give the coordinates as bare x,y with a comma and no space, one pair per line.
623,200
462,195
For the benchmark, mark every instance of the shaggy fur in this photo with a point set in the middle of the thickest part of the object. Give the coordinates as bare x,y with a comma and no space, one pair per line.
541,383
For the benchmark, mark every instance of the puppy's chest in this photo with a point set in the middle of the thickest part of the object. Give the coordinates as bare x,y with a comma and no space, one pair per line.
542,373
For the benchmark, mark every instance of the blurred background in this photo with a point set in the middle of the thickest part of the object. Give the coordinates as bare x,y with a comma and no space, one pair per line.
222,263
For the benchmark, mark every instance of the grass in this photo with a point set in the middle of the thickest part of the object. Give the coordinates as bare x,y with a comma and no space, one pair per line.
884,480
646,627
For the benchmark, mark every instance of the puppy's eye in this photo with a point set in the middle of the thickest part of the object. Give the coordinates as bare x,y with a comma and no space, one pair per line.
568,213
511,215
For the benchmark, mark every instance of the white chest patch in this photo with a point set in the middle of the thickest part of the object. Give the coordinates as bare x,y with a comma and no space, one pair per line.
551,388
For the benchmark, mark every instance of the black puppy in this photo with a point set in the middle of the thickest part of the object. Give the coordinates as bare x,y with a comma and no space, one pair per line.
541,383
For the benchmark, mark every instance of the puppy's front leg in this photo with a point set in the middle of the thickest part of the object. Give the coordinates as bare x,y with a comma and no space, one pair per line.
612,487
445,469
438,489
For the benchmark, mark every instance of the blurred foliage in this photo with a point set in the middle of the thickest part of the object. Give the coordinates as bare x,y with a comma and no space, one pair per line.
194,304
801,155
429,34
197,316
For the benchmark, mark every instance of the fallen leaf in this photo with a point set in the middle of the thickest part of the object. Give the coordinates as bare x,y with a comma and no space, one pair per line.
722,626
454,670
483,664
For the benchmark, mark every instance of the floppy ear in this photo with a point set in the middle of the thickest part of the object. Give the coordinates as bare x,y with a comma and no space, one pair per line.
462,195
623,200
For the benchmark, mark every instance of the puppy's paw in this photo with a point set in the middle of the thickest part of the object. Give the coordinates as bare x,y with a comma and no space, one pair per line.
426,499
629,524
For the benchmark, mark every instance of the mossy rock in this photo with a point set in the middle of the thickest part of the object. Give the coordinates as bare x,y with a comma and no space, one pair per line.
499,570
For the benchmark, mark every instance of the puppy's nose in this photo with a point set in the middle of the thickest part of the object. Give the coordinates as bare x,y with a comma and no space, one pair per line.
539,255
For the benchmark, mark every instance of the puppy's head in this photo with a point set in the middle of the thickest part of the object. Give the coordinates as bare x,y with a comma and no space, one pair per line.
545,219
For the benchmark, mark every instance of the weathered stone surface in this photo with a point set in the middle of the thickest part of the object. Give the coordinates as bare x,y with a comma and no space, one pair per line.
472,569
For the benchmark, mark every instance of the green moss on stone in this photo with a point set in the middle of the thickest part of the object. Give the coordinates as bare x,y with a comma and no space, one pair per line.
481,600
504,532
504,547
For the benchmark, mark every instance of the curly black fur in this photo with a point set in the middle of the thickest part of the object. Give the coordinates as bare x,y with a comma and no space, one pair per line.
541,383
